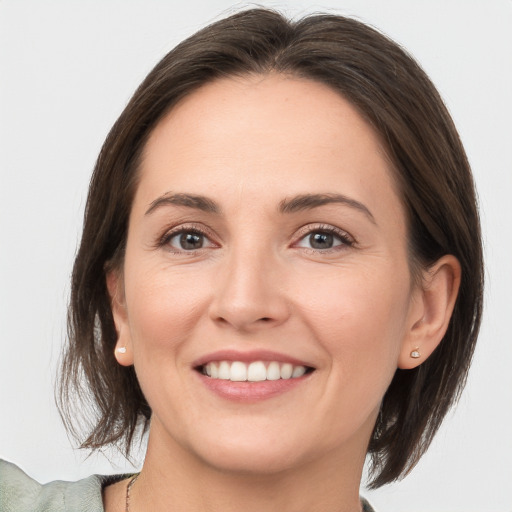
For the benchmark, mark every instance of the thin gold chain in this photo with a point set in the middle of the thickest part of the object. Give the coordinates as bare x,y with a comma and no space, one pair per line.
128,487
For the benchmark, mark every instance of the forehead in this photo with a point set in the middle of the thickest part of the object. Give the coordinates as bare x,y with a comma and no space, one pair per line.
262,134
283,109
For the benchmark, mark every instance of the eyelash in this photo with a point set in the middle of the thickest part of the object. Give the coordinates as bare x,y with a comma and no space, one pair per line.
308,230
345,239
165,240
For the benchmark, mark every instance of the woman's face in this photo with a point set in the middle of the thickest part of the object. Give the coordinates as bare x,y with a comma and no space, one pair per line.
266,238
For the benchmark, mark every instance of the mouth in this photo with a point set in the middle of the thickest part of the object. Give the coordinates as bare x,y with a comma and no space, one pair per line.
251,376
255,371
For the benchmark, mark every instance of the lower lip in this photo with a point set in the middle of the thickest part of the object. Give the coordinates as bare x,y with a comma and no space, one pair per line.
251,391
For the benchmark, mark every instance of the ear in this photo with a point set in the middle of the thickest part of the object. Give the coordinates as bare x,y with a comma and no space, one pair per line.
123,350
431,310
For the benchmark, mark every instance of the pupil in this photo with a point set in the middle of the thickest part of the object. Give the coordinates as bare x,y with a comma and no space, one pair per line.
191,241
321,240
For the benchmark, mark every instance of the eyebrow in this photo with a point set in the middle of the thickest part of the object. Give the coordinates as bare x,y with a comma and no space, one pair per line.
310,201
291,205
188,200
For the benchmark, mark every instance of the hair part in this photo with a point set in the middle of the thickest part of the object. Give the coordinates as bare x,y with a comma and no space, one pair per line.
401,104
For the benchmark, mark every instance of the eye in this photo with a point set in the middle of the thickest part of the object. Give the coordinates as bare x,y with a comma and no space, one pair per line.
320,240
187,240
323,239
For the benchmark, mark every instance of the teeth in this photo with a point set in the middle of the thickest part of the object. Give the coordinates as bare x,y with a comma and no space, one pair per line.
273,371
257,371
286,371
238,372
298,371
224,370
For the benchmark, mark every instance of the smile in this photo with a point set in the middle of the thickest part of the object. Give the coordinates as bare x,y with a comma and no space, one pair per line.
257,371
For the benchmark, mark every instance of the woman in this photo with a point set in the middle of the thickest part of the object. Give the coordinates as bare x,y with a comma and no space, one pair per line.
280,272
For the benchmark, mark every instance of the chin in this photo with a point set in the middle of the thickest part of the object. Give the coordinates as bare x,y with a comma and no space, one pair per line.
253,453
252,462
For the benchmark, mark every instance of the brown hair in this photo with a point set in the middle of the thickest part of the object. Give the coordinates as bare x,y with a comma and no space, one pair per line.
396,97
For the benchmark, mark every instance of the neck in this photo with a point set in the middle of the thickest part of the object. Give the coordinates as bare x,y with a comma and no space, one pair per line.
165,483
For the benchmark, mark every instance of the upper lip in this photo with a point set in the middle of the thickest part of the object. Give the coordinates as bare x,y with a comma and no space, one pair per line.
248,357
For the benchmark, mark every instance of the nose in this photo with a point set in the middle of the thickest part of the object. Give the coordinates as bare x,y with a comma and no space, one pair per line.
249,293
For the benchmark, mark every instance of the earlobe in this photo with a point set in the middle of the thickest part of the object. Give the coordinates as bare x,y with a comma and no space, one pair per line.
430,317
123,350
123,355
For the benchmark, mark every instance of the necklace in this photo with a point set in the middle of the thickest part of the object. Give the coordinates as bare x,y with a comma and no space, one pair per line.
128,487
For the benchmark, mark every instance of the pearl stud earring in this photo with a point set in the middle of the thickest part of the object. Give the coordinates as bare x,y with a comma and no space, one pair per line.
415,354
121,350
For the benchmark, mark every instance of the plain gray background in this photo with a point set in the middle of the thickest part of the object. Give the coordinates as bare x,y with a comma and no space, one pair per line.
67,68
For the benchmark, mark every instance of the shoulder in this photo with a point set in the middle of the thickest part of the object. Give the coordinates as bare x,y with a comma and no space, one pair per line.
20,493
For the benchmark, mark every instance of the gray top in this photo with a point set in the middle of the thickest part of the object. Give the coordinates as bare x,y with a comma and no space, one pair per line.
20,493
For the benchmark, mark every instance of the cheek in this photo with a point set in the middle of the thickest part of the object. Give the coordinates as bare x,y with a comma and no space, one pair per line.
362,324
163,308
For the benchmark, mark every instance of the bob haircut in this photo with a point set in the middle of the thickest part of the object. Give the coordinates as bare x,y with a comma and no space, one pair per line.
432,173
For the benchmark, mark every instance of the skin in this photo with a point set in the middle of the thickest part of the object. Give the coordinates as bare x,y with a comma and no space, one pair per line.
351,312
